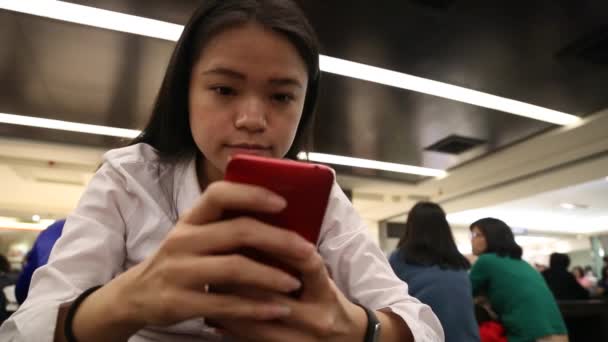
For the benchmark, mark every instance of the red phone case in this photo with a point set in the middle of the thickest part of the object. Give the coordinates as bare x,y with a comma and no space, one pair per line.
306,187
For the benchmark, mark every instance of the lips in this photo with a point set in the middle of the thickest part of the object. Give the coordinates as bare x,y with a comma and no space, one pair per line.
246,148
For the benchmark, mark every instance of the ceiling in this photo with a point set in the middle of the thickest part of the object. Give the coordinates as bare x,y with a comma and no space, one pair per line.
544,212
512,49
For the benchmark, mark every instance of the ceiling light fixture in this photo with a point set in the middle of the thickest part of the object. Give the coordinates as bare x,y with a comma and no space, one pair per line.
91,16
12,223
370,164
67,126
572,206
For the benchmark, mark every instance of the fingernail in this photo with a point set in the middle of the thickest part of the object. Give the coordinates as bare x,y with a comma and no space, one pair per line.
279,311
277,201
291,283
305,248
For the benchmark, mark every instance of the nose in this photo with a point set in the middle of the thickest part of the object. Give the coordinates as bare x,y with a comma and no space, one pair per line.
251,115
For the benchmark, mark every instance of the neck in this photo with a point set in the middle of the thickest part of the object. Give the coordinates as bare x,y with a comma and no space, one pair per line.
206,172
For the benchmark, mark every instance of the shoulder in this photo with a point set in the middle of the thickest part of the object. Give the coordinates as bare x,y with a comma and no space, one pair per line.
338,202
138,153
488,257
135,164
485,261
340,213
397,258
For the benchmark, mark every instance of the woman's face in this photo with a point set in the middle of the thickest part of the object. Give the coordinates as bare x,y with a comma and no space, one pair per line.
246,95
478,241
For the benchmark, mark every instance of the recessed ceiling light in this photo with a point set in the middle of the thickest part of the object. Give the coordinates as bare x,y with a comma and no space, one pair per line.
91,16
571,206
36,218
370,164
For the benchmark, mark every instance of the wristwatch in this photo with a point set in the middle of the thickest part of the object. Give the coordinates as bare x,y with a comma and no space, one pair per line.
372,333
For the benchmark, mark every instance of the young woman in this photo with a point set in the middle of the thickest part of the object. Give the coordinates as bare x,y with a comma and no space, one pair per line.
429,262
243,79
517,292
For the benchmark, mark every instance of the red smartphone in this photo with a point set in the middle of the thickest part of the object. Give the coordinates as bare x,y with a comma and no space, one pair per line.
305,186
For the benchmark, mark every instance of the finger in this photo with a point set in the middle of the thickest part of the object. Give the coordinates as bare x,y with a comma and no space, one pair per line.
258,294
254,331
229,235
190,304
195,272
221,196
318,317
313,273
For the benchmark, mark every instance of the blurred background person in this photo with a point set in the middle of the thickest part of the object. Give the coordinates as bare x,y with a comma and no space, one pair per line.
7,282
579,275
36,257
561,282
516,291
603,283
428,260
590,275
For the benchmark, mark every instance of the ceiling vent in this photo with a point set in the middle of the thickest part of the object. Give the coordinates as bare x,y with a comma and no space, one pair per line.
455,144
591,48
436,4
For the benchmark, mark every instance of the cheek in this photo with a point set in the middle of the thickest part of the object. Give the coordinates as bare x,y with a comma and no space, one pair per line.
286,132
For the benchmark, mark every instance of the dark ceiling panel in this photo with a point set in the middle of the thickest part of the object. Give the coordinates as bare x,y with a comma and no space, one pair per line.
508,48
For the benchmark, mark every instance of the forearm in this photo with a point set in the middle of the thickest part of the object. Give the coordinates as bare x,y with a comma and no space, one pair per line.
97,319
393,328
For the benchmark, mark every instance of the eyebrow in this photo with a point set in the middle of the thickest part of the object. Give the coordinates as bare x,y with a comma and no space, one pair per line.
283,81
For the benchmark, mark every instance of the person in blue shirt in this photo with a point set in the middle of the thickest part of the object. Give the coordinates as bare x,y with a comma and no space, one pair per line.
427,259
37,256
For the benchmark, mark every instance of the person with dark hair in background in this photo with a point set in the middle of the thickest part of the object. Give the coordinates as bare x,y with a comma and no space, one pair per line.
561,282
604,266
516,291
579,275
5,280
36,257
602,285
149,237
428,260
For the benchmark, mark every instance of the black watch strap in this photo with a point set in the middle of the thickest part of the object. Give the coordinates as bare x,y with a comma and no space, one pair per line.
372,333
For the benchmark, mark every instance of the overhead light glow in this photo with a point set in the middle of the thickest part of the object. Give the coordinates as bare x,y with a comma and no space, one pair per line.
95,17
67,126
445,90
572,206
370,164
12,223
116,21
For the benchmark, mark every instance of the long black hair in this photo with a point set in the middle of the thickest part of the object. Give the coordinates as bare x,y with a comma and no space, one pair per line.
168,130
499,237
428,239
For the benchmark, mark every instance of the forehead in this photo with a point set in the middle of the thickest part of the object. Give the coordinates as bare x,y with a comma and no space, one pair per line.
254,50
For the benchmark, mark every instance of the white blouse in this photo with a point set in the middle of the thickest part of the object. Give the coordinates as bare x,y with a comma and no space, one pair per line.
127,210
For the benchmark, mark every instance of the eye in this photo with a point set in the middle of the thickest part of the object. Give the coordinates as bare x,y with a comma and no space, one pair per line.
282,98
224,91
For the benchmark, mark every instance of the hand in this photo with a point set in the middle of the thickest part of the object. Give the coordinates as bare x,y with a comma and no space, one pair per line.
170,286
322,313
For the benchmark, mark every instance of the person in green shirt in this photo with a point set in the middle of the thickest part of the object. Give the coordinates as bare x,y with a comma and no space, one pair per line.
517,292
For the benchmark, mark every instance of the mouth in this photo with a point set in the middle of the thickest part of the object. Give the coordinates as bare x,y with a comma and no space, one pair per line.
255,149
